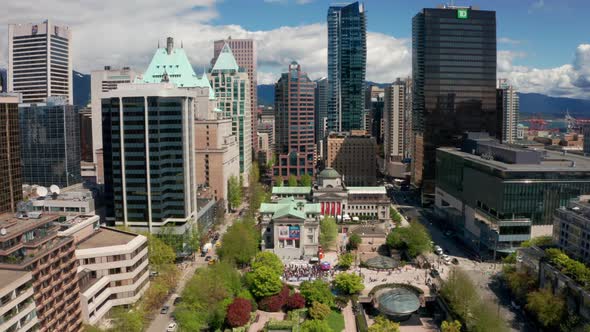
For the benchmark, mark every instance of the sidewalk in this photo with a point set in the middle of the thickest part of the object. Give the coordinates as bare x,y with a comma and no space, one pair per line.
349,321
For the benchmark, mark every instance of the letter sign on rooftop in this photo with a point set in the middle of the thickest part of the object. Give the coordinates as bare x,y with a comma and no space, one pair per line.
462,13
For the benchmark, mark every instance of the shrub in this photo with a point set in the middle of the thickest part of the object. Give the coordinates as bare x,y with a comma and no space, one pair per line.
238,312
276,302
295,301
319,311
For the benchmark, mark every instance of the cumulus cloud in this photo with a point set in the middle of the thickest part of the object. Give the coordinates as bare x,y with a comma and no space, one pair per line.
129,35
569,80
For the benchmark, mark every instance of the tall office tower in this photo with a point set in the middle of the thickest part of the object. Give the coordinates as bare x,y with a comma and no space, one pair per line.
216,147
508,107
409,134
294,118
321,109
354,155
347,59
11,179
50,143
232,87
102,81
374,104
586,132
454,75
148,145
86,153
33,249
394,126
40,61
244,51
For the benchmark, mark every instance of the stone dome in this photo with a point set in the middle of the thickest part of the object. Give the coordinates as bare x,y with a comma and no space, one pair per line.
329,173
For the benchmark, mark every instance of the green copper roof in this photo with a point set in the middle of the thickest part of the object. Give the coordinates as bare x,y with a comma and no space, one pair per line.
291,190
290,206
329,173
225,60
204,82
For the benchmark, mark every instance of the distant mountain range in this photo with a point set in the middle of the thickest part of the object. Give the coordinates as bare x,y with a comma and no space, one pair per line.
3,78
81,88
530,103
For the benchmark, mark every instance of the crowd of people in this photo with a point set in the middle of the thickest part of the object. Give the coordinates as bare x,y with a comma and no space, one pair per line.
303,272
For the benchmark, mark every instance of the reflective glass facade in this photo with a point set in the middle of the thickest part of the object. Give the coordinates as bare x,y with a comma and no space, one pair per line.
50,144
347,59
133,183
10,163
454,76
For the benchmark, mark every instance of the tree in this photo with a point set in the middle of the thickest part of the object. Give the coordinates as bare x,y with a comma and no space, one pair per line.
295,301
267,258
317,291
538,241
353,241
415,239
264,282
451,326
314,325
345,261
305,180
520,283
485,318
292,181
234,192
328,232
395,216
548,308
382,324
348,283
238,312
239,243
278,181
460,293
319,311
277,302
127,320
159,253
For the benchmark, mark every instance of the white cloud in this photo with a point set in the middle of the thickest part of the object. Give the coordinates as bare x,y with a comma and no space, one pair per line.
510,41
569,80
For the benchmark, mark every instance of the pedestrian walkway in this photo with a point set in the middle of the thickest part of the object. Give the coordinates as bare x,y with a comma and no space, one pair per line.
349,321
263,317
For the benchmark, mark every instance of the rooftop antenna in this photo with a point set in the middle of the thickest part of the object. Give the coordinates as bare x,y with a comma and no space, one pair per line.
158,43
181,44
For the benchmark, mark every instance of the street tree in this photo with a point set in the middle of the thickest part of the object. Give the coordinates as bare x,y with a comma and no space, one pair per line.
317,291
292,181
234,192
345,261
267,258
450,326
159,253
264,282
382,324
460,293
239,243
349,283
305,180
127,320
328,232
548,308
415,239
354,241
278,181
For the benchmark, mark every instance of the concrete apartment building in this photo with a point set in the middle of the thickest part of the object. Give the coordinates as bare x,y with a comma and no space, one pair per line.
509,107
217,153
264,150
30,243
10,154
231,85
571,229
40,61
102,81
354,156
294,118
17,307
244,51
394,125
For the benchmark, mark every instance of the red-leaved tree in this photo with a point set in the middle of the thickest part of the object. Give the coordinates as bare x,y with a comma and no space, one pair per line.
276,302
295,301
238,312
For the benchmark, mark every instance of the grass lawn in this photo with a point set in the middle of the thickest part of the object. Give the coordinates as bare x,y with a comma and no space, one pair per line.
336,321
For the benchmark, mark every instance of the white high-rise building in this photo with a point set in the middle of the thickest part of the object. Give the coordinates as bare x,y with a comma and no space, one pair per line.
104,81
40,61
394,128
510,109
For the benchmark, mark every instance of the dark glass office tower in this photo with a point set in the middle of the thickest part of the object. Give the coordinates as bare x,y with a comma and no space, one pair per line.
347,59
50,143
454,75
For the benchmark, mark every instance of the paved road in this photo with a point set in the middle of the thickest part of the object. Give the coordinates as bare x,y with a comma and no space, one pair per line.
161,321
481,273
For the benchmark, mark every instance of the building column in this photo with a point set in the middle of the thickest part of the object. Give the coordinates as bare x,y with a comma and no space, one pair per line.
148,176
122,154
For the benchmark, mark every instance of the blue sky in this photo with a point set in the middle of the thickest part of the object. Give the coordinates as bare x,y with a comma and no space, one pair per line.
546,31
543,45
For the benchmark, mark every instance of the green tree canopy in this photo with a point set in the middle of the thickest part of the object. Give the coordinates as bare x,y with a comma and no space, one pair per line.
305,180
239,243
264,281
328,232
548,308
354,240
415,239
234,192
538,241
278,181
127,320
159,253
395,216
314,325
451,326
382,324
267,258
348,283
345,261
317,291
319,310
292,181
460,292
520,283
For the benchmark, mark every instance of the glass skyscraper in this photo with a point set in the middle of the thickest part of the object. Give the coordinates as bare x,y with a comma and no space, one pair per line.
50,143
454,77
347,59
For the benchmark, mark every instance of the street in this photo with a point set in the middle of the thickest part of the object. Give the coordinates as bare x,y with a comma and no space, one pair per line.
161,321
483,274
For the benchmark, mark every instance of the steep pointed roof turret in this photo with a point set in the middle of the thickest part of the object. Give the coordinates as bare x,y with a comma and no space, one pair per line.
226,60
204,83
171,64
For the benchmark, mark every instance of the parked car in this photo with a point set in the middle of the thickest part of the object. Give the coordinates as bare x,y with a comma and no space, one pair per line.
164,310
438,250
171,327
434,273
455,261
177,300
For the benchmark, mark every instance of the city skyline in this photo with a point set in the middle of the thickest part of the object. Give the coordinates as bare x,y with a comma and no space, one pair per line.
524,56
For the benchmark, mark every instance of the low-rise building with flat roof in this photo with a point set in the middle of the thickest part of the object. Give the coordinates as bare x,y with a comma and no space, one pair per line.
571,229
496,196
71,201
